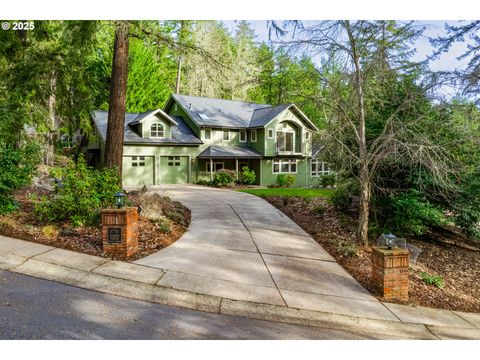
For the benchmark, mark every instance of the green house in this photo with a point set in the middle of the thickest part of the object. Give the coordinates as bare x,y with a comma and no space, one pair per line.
193,137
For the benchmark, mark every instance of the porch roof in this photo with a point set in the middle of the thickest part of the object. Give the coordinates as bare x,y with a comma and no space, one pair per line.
229,152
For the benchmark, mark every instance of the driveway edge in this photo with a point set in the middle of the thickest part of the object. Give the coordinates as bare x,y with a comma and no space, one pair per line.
29,265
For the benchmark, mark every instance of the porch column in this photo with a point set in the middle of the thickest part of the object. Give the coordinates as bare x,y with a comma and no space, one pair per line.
211,169
236,167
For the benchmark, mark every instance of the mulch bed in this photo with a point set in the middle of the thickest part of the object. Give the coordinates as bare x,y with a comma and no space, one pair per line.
459,267
22,224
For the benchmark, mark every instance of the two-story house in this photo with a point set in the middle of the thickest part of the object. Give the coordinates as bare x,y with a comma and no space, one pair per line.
192,137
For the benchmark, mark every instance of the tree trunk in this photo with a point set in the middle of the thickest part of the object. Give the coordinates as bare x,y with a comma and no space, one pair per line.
179,74
52,128
117,103
363,217
364,175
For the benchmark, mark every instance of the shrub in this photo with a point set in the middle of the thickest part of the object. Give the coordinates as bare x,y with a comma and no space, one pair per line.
81,194
223,177
348,249
319,209
177,216
203,182
435,280
327,180
411,214
284,180
247,176
17,167
343,196
163,224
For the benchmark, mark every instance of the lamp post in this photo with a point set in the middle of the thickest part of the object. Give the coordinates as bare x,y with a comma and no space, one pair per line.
119,199
389,240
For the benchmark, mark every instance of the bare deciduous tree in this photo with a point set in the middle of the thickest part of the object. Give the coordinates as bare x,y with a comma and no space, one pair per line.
354,56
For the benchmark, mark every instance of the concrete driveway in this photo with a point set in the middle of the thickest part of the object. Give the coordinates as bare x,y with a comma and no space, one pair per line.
240,247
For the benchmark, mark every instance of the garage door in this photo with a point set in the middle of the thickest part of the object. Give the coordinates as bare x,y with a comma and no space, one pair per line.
173,169
138,170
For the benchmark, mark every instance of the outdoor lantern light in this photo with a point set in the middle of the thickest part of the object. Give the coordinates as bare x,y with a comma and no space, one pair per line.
119,199
389,240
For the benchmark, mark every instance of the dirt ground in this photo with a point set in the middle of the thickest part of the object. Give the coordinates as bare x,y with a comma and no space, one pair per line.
22,224
459,267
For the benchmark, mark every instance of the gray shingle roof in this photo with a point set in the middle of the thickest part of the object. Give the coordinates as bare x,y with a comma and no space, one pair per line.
231,114
263,116
229,152
181,133
316,148
220,113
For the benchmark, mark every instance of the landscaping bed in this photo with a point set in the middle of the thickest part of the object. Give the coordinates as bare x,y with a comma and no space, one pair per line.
161,222
458,267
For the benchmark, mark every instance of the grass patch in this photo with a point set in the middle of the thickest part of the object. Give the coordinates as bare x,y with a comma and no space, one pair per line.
300,192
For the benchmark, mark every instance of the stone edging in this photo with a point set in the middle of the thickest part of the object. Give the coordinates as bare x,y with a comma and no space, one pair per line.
116,285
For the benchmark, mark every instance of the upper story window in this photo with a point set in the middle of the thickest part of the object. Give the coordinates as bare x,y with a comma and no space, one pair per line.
253,136
208,134
157,131
243,136
270,133
226,135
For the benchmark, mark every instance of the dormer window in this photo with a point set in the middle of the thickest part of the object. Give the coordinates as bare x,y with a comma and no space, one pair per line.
156,131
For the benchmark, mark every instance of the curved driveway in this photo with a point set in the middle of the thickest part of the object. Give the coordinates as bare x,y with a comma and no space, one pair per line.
238,246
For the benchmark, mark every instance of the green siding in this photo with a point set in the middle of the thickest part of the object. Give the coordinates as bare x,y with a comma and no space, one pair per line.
300,128
216,138
144,128
269,178
259,145
178,111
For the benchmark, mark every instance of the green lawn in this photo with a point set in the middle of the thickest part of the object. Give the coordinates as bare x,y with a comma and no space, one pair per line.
307,193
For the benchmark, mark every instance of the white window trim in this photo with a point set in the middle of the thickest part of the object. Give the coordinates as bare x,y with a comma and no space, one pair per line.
289,161
163,130
240,136
320,168
223,135
251,136
205,134
273,133
293,141
207,164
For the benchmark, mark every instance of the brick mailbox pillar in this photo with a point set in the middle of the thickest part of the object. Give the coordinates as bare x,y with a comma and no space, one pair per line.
390,272
120,231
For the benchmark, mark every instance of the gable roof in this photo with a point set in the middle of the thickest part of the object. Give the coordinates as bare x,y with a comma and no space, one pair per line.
180,131
142,116
231,114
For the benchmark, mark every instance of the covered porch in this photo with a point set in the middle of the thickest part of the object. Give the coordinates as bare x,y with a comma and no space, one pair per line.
215,158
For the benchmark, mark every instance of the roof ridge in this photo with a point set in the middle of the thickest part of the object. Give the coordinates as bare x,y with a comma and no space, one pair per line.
212,98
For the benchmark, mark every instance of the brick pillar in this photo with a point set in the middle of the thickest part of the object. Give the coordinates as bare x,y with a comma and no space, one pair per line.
390,272
120,231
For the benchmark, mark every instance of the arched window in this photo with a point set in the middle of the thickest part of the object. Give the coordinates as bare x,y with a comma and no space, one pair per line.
156,130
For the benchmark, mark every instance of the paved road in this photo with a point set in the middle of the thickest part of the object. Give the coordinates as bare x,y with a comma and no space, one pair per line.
32,308
240,247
